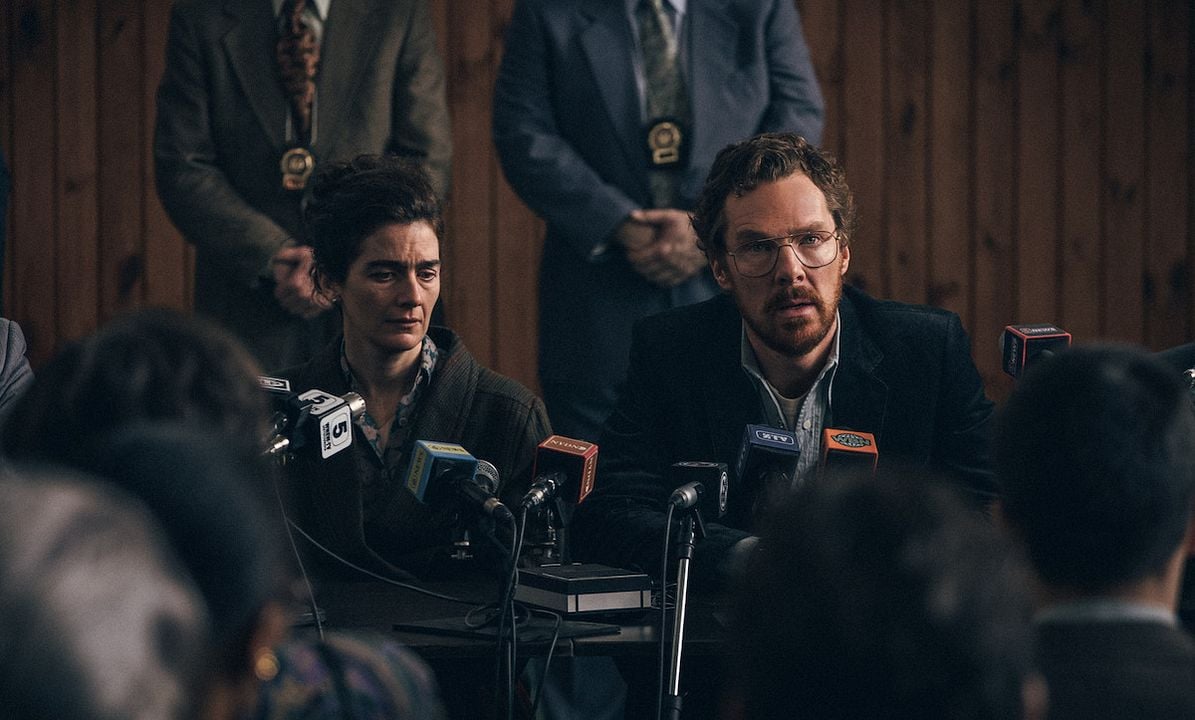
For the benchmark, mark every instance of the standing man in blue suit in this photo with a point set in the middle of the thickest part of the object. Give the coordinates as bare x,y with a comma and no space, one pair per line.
607,116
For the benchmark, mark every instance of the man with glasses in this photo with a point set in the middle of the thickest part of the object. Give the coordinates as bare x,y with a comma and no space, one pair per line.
788,345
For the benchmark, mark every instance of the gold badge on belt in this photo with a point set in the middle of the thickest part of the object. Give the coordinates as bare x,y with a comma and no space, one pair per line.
665,143
296,164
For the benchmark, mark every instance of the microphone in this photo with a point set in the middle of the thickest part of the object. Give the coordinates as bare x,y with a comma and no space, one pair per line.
564,468
1023,345
767,452
314,417
847,452
703,483
440,471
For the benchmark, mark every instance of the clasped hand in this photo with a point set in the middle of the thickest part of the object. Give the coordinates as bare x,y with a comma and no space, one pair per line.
661,245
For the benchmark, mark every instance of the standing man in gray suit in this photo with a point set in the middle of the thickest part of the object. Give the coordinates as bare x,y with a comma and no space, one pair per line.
255,94
607,116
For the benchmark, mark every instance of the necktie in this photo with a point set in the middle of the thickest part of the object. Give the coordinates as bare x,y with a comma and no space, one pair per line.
665,89
298,62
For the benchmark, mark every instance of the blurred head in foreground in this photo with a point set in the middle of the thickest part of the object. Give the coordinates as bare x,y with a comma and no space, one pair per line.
882,598
100,619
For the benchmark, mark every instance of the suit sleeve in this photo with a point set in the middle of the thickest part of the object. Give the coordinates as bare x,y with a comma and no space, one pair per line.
15,374
622,522
541,165
196,194
420,124
964,419
796,103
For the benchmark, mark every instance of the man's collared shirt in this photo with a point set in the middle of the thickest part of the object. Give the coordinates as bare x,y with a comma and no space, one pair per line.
810,413
314,15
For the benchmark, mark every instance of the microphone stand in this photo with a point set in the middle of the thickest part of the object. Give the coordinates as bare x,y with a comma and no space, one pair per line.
692,529
564,515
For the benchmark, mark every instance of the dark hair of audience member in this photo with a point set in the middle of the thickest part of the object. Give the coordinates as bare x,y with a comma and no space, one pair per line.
100,621
153,364
226,530
740,168
351,200
343,676
881,598
1107,433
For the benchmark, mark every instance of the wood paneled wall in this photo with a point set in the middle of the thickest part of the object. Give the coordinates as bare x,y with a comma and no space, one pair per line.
1013,160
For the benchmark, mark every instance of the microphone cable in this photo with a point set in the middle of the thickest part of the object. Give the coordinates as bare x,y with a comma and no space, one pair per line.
290,536
377,576
507,649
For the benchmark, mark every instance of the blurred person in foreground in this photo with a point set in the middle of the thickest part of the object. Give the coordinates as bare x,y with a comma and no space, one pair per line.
149,365
881,598
167,407
1095,453
101,622
375,226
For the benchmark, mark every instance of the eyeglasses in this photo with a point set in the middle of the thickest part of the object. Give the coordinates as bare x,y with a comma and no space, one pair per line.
813,248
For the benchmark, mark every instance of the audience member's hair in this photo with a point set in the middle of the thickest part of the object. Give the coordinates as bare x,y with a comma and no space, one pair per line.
1095,450
151,365
345,677
218,515
740,168
100,622
881,599
352,200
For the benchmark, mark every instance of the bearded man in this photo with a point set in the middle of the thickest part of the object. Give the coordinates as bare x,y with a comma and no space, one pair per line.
786,345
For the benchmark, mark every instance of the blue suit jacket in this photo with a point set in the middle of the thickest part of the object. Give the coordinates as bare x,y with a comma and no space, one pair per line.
567,125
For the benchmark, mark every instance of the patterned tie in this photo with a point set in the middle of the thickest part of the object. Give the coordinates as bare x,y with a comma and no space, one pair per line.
298,62
665,89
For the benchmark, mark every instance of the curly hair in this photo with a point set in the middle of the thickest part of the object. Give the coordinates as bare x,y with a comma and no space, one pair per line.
351,200
743,166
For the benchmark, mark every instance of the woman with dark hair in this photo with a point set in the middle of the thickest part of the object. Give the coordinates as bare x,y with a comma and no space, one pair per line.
375,225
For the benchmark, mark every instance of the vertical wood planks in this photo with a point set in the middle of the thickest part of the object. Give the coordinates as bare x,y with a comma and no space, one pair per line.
1082,141
471,249
1125,241
169,260
518,239
76,243
949,178
864,145
1167,192
905,176
33,288
995,278
821,21
121,168
1037,174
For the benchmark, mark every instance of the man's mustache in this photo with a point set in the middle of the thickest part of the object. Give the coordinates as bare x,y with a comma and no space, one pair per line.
790,296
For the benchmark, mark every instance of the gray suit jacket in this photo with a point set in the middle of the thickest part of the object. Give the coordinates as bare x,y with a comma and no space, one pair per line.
15,374
567,124
221,131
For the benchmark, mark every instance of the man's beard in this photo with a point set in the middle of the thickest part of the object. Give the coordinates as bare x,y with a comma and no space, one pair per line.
796,337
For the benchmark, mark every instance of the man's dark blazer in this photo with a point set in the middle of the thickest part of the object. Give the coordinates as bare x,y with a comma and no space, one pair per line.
221,130
904,373
569,134
1140,670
